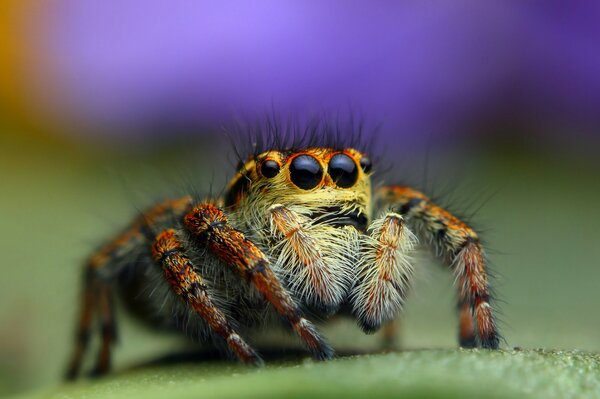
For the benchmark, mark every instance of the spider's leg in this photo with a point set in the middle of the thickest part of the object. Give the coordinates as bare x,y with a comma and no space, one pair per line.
208,225
100,271
97,302
168,251
82,337
466,332
461,249
108,329
384,272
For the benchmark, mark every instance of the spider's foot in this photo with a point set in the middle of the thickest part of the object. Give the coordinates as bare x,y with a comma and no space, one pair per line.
491,342
369,326
318,347
468,342
243,351
99,371
72,373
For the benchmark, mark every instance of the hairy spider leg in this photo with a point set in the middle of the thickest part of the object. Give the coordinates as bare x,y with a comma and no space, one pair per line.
108,329
461,249
102,267
209,226
186,282
466,333
82,337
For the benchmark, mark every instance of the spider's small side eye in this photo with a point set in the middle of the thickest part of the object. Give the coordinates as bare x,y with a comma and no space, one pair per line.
365,164
269,168
343,170
306,172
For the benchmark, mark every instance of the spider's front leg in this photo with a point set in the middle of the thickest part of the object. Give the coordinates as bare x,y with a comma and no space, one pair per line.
168,251
208,225
461,249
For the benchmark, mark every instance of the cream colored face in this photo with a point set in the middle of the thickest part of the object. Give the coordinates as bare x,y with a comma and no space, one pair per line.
332,184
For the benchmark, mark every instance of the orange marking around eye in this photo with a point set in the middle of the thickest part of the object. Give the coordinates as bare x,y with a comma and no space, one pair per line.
238,186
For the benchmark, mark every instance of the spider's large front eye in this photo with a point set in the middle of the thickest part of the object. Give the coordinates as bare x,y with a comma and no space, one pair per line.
343,170
306,172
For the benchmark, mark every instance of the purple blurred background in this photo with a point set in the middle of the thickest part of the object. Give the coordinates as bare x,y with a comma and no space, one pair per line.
418,68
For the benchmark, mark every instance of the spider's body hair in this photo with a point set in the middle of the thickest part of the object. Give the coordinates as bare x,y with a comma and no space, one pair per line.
296,134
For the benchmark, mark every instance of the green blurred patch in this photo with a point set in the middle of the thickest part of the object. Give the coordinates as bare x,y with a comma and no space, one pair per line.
415,374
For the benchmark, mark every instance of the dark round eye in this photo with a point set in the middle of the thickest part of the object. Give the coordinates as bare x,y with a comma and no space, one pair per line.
365,164
269,168
306,172
343,170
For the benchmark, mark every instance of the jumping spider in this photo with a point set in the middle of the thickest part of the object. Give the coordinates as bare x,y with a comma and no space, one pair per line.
297,229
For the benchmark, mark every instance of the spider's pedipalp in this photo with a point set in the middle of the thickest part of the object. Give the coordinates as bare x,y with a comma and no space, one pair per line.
321,279
384,272
461,249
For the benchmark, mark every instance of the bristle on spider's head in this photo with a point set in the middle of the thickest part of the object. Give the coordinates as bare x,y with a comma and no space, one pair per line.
294,134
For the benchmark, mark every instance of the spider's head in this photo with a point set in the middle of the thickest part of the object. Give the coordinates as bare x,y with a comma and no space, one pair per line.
329,185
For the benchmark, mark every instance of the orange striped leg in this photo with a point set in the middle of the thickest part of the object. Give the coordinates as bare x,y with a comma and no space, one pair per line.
461,248
82,338
466,328
108,329
96,301
168,252
208,225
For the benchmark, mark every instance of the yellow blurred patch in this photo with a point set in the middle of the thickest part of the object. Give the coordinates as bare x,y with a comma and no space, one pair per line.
21,61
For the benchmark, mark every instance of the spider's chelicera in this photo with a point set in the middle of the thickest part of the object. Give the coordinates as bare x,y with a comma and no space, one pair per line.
297,229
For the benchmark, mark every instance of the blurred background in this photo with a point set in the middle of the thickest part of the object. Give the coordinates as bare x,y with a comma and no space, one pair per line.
492,107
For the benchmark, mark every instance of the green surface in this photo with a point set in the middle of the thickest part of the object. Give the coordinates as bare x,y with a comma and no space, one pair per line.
419,374
57,204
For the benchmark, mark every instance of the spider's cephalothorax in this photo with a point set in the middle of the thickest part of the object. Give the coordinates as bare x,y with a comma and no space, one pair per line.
307,209
296,229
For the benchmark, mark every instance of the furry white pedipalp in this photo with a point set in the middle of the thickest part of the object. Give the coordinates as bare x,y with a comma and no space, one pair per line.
316,259
384,271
